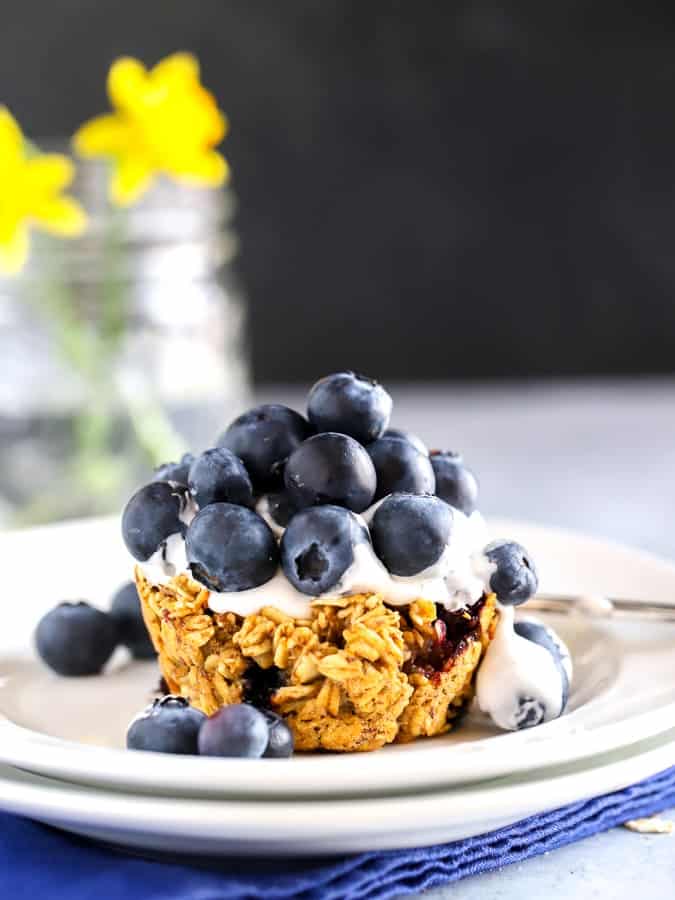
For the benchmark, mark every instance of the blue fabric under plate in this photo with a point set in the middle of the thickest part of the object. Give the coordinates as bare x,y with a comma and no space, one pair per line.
40,862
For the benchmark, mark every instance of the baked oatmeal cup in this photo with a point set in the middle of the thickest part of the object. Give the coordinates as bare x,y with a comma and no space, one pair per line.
338,574
354,676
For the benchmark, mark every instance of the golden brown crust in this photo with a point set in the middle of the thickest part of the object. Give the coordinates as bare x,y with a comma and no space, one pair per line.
354,676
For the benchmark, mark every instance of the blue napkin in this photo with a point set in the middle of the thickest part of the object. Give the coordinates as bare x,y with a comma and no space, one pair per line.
40,862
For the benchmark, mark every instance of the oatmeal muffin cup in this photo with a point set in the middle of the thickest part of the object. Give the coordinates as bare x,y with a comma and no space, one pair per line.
335,572
354,676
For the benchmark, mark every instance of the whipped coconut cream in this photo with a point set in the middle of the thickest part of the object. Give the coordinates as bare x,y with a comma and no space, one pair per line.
167,561
278,592
262,507
456,580
518,682
188,511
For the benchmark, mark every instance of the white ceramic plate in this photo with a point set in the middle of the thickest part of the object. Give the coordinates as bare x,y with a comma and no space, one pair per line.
327,826
623,692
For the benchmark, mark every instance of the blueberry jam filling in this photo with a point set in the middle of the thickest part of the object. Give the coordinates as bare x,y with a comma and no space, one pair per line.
452,633
260,684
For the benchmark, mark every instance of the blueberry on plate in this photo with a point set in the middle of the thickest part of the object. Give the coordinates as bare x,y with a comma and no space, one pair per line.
230,548
168,725
237,730
549,640
349,404
264,437
331,468
514,579
408,436
529,712
455,483
317,547
410,532
281,742
126,612
218,476
400,468
175,471
151,516
76,639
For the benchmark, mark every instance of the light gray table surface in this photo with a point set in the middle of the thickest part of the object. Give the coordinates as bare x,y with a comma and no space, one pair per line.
596,456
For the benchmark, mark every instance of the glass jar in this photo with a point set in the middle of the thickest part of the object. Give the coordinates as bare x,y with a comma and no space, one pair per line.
118,350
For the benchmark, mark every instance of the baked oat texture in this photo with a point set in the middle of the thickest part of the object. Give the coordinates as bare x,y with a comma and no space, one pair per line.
347,678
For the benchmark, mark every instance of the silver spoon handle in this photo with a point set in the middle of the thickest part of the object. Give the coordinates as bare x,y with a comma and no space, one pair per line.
598,607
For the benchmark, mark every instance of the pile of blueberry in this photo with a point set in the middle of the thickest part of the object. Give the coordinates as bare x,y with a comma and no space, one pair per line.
77,639
313,475
171,725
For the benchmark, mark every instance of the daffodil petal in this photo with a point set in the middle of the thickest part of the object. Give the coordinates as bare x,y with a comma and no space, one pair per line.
208,168
127,79
49,173
179,69
131,178
60,215
11,138
219,125
164,122
14,251
104,135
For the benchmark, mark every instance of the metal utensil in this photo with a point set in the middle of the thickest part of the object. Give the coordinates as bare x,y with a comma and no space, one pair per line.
599,607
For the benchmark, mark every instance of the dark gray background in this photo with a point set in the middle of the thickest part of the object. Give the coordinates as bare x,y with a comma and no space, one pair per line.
427,190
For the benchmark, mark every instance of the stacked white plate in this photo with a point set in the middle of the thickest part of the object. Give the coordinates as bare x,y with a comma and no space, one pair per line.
61,740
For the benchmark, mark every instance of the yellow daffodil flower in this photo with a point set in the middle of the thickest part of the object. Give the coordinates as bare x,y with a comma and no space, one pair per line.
164,122
31,186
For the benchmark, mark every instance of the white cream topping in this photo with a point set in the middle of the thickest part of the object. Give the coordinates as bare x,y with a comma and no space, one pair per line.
514,669
262,507
367,514
166,562
456,580
278,591
189,510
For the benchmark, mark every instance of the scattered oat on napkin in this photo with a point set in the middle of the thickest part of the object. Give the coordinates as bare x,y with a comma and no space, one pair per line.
651,825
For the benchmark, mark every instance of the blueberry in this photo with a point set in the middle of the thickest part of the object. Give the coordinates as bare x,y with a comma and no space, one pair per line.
400,468
455,483
264,437
230,548
317,547
410,532
408,436
280,508
218,476
152,514
281,743
175,471
76,639
515,578
238,730
169,725
350,404
276,509
127,615
531,711
331,468
549,640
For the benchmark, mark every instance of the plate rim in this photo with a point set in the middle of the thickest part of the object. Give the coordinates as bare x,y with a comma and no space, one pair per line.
287,827
25,747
